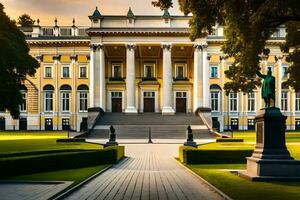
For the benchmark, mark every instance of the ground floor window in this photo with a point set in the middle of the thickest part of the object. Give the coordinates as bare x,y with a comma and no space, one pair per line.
65,102
251,124
83,101
66,124
234,122
297,124
48,101
233,102
284,101
214,98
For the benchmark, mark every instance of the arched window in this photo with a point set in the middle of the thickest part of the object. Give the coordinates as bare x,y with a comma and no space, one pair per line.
83,97
48,98
65,98
215,95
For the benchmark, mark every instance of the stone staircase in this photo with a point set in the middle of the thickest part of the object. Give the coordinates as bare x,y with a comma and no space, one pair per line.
138,126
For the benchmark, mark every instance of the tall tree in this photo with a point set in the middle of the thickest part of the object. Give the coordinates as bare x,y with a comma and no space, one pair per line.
248,24
25,21
15,64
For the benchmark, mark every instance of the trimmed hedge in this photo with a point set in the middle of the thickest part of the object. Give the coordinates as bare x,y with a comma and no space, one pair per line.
71,140
191,155
13,166
229,140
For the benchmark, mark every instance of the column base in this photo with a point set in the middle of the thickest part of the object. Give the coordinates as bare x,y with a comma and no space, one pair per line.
168,111
131,110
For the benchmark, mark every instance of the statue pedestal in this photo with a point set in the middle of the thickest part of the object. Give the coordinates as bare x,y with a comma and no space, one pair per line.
190,143
271,160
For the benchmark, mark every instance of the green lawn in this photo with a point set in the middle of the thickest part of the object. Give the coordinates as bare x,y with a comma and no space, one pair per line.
238,188
75,175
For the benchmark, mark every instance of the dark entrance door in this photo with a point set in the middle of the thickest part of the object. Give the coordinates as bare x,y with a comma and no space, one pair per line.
65,124
216,123
251,124
48,124
149,101
181,105
23,124
297,124
234,124
2,123
116,104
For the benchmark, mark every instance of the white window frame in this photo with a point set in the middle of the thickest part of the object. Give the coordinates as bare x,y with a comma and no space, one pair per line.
237,102
24,95
48,66
46,98
282,67
251,99
184,65
86,70
83,99
154,69
215,99
218,71
284,99
63,100
297,101
113,65
62,70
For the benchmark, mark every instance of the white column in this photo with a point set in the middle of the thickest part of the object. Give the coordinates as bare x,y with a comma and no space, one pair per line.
91,76
167,81
197,99
130,79
205,74
279,80
102,77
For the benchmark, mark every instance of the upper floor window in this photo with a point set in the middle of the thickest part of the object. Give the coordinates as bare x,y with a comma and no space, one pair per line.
83,101
82,72
47,31
284,101
233,102
297,101
23,106
48,71
215,101
149,70
65,71
180,70
82,31
65,32
284,71
214,71
48,101
117,70
65,101
251,102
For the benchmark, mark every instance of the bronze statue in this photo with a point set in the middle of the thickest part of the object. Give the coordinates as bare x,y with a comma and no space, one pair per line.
268,87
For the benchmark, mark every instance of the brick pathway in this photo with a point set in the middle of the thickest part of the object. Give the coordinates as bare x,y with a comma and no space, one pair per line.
150,172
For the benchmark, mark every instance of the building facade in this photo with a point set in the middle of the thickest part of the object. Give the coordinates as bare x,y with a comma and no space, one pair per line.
135,64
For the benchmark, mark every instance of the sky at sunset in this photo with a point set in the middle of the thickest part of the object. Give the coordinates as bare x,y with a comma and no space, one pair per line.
66,10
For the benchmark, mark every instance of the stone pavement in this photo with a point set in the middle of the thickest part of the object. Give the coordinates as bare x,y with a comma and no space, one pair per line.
149,172
30,190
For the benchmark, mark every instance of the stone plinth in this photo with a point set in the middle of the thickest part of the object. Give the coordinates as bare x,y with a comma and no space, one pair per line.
271,159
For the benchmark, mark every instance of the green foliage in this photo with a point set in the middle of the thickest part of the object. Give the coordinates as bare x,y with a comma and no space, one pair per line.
248,24
15,64
25,21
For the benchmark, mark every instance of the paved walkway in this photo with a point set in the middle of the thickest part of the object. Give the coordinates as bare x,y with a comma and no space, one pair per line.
150,172
30,190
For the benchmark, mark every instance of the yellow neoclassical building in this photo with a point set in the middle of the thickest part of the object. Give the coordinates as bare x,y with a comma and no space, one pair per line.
136,64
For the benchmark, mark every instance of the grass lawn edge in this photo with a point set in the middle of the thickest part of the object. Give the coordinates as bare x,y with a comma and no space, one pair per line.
219,192
64,193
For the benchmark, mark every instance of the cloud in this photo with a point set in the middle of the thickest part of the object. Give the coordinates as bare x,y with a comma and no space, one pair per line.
66,10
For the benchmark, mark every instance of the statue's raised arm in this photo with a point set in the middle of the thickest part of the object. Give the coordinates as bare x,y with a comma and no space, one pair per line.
260,74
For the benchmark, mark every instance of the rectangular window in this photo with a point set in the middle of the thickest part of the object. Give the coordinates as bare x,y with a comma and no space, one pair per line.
82,31
65,32
214,72
251,102
48,101
214,98
48,72
48,31
284,101
149,94
180,71
233,102
149,70
181,94
117,70
83,102
284,71
82,72
66,71
23,106
297,101
65,101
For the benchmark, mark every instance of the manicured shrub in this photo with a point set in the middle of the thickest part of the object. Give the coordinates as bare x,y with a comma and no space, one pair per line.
229,140
12,166
71,140
190,155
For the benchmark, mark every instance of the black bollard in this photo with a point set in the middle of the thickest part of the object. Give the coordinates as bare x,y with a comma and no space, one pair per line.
150,137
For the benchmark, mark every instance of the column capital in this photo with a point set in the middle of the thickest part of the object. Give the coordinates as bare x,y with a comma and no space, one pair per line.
74,58
130,46
167,46
40,58
223,57
263,57
96,46
88,57
56,57
200,46
279,57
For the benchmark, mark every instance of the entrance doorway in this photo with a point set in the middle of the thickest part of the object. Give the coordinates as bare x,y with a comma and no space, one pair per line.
234,124
48,124
251,124
2,123
23,124
216,123
65,124
181,101
116,102
149,101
